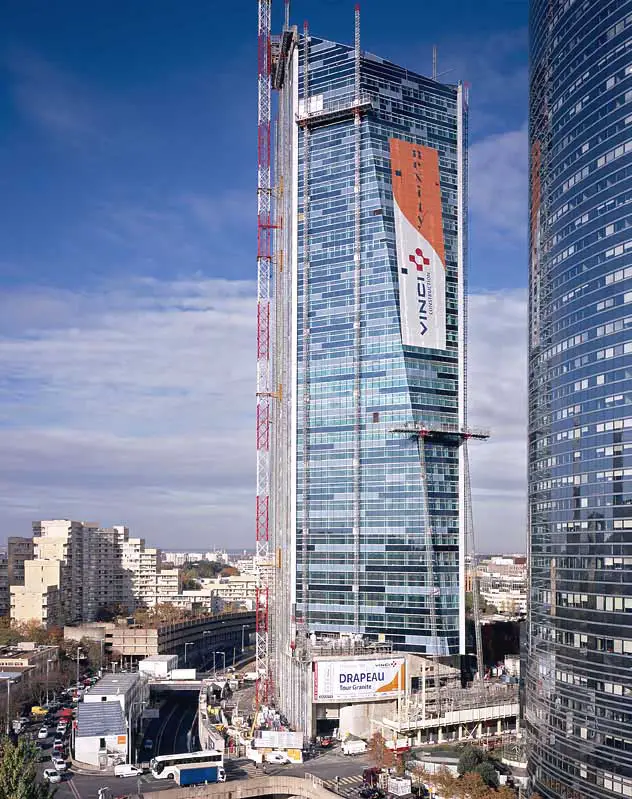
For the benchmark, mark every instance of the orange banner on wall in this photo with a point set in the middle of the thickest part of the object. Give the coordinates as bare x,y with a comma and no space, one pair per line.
420,244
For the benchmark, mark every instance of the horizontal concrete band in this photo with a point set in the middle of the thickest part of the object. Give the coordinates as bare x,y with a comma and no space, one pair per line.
249,789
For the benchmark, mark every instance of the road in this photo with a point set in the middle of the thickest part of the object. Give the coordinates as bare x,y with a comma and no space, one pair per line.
169,735
326,766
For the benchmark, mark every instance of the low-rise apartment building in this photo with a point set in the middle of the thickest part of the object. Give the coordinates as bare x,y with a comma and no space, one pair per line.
28,659
237,589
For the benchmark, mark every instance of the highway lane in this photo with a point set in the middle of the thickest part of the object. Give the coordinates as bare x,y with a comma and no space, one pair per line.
178,714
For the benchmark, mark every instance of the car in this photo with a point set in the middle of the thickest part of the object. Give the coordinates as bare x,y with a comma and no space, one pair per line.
51,775
59,763
127,770
42,732
61,729
279,758
326,742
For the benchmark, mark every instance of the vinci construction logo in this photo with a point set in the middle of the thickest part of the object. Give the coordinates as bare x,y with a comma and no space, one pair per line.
424,297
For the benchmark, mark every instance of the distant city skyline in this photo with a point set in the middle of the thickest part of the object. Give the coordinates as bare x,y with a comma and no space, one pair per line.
127,256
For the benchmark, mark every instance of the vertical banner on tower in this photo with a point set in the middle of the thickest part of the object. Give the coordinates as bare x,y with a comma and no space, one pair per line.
420,244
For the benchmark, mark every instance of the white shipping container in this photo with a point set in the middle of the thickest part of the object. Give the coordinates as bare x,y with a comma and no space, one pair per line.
182,674
158,666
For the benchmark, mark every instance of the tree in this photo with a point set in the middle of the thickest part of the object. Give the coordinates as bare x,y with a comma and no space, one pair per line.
470,758
381,755
488,773
18,772
229,571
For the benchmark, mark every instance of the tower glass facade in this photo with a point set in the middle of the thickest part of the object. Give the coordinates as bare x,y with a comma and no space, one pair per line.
579,688
368,156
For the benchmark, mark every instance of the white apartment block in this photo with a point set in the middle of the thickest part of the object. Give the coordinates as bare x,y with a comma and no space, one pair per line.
168,585
39,599
245,565
5,599
94,568
503,583
182,558
239,589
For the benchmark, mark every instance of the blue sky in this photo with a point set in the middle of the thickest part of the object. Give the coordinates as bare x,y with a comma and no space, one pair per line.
128,170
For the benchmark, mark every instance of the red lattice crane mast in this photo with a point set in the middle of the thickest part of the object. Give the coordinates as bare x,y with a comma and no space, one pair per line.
264,392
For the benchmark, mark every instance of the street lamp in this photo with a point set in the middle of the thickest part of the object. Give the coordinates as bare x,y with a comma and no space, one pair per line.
223,654
9,683
243,627
79,653
188,643
101,642
50,660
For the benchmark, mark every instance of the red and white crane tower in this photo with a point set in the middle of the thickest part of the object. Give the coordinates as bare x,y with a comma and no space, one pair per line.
264,388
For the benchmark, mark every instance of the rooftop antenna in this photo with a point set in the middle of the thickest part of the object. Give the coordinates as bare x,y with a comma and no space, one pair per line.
435,74
287,14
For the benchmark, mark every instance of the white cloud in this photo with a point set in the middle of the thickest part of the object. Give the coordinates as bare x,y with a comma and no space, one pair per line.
498,399
135,404
498,186
50,97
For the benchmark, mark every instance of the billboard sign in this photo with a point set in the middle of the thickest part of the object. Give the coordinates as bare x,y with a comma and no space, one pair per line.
420,244
358,680
277,739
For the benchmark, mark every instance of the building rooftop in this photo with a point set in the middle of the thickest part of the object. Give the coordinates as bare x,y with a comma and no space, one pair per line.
114,684
100,719
158,659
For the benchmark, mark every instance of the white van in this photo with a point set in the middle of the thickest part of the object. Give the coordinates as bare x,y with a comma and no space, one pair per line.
127,770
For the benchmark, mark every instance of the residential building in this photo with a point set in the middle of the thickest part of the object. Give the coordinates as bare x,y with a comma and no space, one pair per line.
245,565
503,583
579,649
29,658
39,599
19,549
203,600
237,589
5,598
366,503
62,540
98,569
168,585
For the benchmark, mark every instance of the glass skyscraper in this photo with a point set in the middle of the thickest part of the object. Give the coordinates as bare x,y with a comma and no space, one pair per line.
579,676
367,514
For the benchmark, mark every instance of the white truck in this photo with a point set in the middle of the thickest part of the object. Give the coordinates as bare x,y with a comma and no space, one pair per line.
353,747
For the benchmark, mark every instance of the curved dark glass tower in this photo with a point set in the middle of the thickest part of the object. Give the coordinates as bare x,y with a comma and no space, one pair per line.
579,675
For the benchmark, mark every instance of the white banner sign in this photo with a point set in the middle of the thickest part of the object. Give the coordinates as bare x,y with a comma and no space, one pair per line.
358,680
